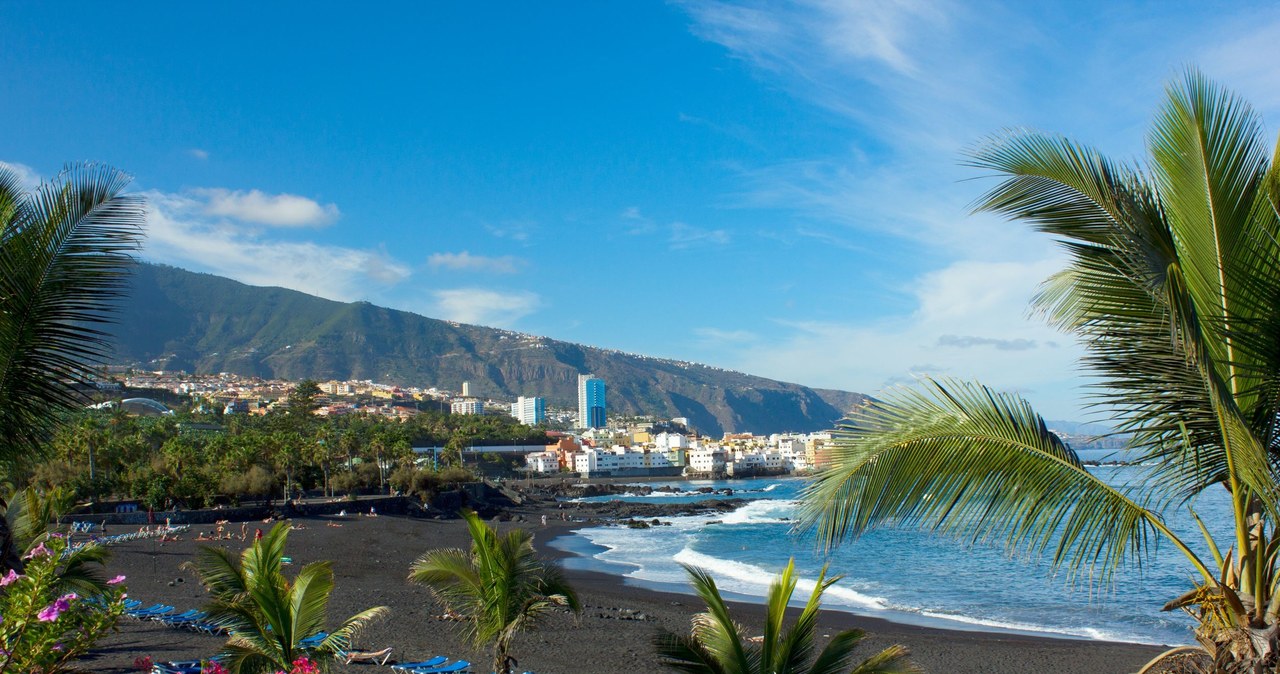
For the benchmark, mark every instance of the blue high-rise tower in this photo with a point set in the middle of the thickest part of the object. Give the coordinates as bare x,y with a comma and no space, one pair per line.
591,408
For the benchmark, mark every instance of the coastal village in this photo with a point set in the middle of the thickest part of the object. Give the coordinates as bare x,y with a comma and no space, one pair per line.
631,447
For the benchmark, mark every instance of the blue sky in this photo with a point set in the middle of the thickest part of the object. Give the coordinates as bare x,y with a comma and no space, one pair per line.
771,187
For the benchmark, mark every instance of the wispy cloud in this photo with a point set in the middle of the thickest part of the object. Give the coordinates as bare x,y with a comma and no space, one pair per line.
196,152
182,232
952,304
465,261
277,210
516,230
716,336
687,236
971,341
874,30
481,306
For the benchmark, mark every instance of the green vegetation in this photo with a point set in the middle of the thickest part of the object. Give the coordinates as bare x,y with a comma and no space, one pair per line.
269,616
166,461
717,645
500,587
1174,290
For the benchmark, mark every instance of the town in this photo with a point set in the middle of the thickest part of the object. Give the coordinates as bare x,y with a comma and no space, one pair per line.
584,441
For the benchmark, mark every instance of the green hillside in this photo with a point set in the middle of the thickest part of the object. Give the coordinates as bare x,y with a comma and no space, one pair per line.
180,320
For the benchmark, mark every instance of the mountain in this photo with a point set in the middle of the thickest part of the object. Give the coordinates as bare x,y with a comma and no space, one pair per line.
180,320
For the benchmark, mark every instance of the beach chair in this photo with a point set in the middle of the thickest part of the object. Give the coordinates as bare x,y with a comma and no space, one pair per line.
165,618
153,610
182,667
458,667
433,662
377,657
313,640
207,627
185,620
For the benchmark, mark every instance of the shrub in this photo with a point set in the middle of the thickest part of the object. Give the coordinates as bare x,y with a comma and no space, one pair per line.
55,611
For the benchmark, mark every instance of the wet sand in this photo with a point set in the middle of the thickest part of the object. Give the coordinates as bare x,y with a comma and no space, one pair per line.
371,558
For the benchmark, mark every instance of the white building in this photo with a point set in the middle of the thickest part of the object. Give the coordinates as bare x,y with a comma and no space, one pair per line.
543,462
529,411
706,461
467,406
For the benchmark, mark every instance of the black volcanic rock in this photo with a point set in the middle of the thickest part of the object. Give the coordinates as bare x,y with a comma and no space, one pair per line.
180,320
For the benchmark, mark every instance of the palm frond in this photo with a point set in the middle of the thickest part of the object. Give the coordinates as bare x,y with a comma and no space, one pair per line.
686,654
65,253
892,660
965,460
716,630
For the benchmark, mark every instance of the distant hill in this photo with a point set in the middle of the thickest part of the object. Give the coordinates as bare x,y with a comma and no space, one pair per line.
180,320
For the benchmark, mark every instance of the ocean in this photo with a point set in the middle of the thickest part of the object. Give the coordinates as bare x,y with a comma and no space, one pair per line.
901,574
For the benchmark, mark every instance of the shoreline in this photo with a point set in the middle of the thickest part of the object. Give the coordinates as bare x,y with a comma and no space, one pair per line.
371,557
581,562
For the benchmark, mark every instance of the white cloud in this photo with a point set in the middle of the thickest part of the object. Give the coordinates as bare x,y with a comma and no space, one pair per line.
970,322
465,261
279,210
480,306
198,153
28,176
181,233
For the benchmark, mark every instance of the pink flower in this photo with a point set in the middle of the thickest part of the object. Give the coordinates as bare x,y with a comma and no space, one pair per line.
214,668
116,581
59,606
10,577
304,665
38,551
51,612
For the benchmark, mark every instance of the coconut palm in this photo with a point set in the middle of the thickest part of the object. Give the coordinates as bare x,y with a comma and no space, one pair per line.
1173,288
500,587
716,644
267,615
64,258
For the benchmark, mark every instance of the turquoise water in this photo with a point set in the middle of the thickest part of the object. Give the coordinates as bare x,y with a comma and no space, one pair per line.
904,574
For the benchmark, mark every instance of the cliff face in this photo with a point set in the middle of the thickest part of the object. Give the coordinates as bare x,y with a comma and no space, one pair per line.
180,320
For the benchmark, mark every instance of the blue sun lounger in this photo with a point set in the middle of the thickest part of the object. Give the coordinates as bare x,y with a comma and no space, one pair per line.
451,668
313,640
167,618
184,620
433,662
150,611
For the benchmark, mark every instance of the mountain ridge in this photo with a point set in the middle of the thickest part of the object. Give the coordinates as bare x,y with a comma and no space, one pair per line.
180,320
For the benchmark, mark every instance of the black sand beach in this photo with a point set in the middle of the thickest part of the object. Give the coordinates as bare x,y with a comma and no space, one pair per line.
371,558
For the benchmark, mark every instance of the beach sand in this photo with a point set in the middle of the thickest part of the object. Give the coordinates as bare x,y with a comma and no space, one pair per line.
371,558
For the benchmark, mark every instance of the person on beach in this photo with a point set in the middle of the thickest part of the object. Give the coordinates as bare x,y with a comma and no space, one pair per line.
257,534
544,520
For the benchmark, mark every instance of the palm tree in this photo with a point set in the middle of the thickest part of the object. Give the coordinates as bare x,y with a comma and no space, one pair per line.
65,253
500,587
1173,288
269,616
716,644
